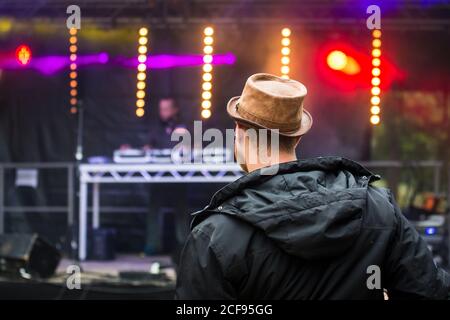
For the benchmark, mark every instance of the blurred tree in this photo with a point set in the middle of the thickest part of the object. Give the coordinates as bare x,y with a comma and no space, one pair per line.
414,126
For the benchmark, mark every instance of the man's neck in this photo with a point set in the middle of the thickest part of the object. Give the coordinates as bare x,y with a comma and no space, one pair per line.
282,158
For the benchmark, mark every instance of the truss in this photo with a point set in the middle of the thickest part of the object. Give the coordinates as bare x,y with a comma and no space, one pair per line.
163,173
408,15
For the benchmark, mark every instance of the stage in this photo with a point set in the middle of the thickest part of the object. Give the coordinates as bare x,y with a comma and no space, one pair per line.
126,277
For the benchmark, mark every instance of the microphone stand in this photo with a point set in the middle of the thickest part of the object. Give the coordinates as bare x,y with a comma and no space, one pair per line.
79,149
78,160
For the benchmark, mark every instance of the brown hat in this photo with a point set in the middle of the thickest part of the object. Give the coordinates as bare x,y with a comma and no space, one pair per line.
271,102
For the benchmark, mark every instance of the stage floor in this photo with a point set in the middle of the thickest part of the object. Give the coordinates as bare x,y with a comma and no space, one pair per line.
126,277
124,262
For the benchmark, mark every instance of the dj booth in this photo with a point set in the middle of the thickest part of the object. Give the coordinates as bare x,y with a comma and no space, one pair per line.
97,174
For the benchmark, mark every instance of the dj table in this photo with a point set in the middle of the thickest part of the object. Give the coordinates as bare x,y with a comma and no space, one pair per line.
96,174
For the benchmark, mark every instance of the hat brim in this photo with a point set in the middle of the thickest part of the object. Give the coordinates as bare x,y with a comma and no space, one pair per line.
306,122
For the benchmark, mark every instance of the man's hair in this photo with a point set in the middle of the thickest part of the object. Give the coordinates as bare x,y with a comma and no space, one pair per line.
285,144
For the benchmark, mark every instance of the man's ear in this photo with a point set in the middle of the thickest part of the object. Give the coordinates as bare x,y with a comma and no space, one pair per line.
239,129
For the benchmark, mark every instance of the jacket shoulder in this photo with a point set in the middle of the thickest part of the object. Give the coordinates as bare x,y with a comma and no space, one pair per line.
229,237
223,228
380,209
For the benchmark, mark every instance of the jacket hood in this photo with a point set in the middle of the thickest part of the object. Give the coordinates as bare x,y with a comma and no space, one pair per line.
311,208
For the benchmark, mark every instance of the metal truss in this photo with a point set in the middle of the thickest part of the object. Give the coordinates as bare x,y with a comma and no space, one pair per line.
97,174
316,14
163,173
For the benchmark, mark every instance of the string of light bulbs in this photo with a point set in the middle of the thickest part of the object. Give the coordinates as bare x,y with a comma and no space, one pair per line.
375,90
142,71
208,40
73,74
285,52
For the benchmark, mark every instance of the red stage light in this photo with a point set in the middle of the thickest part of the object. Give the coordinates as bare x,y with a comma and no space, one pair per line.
353,67
337,60
23,54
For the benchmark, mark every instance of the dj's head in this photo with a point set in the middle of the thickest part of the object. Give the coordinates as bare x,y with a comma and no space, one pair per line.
168,109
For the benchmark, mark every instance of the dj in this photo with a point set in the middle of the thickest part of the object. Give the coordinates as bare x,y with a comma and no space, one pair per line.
162,204
169,121
313,229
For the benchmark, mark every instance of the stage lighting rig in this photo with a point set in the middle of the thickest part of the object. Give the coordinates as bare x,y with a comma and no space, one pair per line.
375,90
73,73
285,52
142,69
208,41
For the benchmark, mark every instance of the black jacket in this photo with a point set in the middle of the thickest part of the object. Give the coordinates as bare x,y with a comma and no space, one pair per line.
315,230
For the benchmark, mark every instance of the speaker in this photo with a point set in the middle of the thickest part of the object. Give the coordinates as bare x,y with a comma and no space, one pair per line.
27,253
103,244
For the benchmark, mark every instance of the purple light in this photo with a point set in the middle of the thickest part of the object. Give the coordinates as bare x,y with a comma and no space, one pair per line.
103,57
164,61
50,65
100,58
